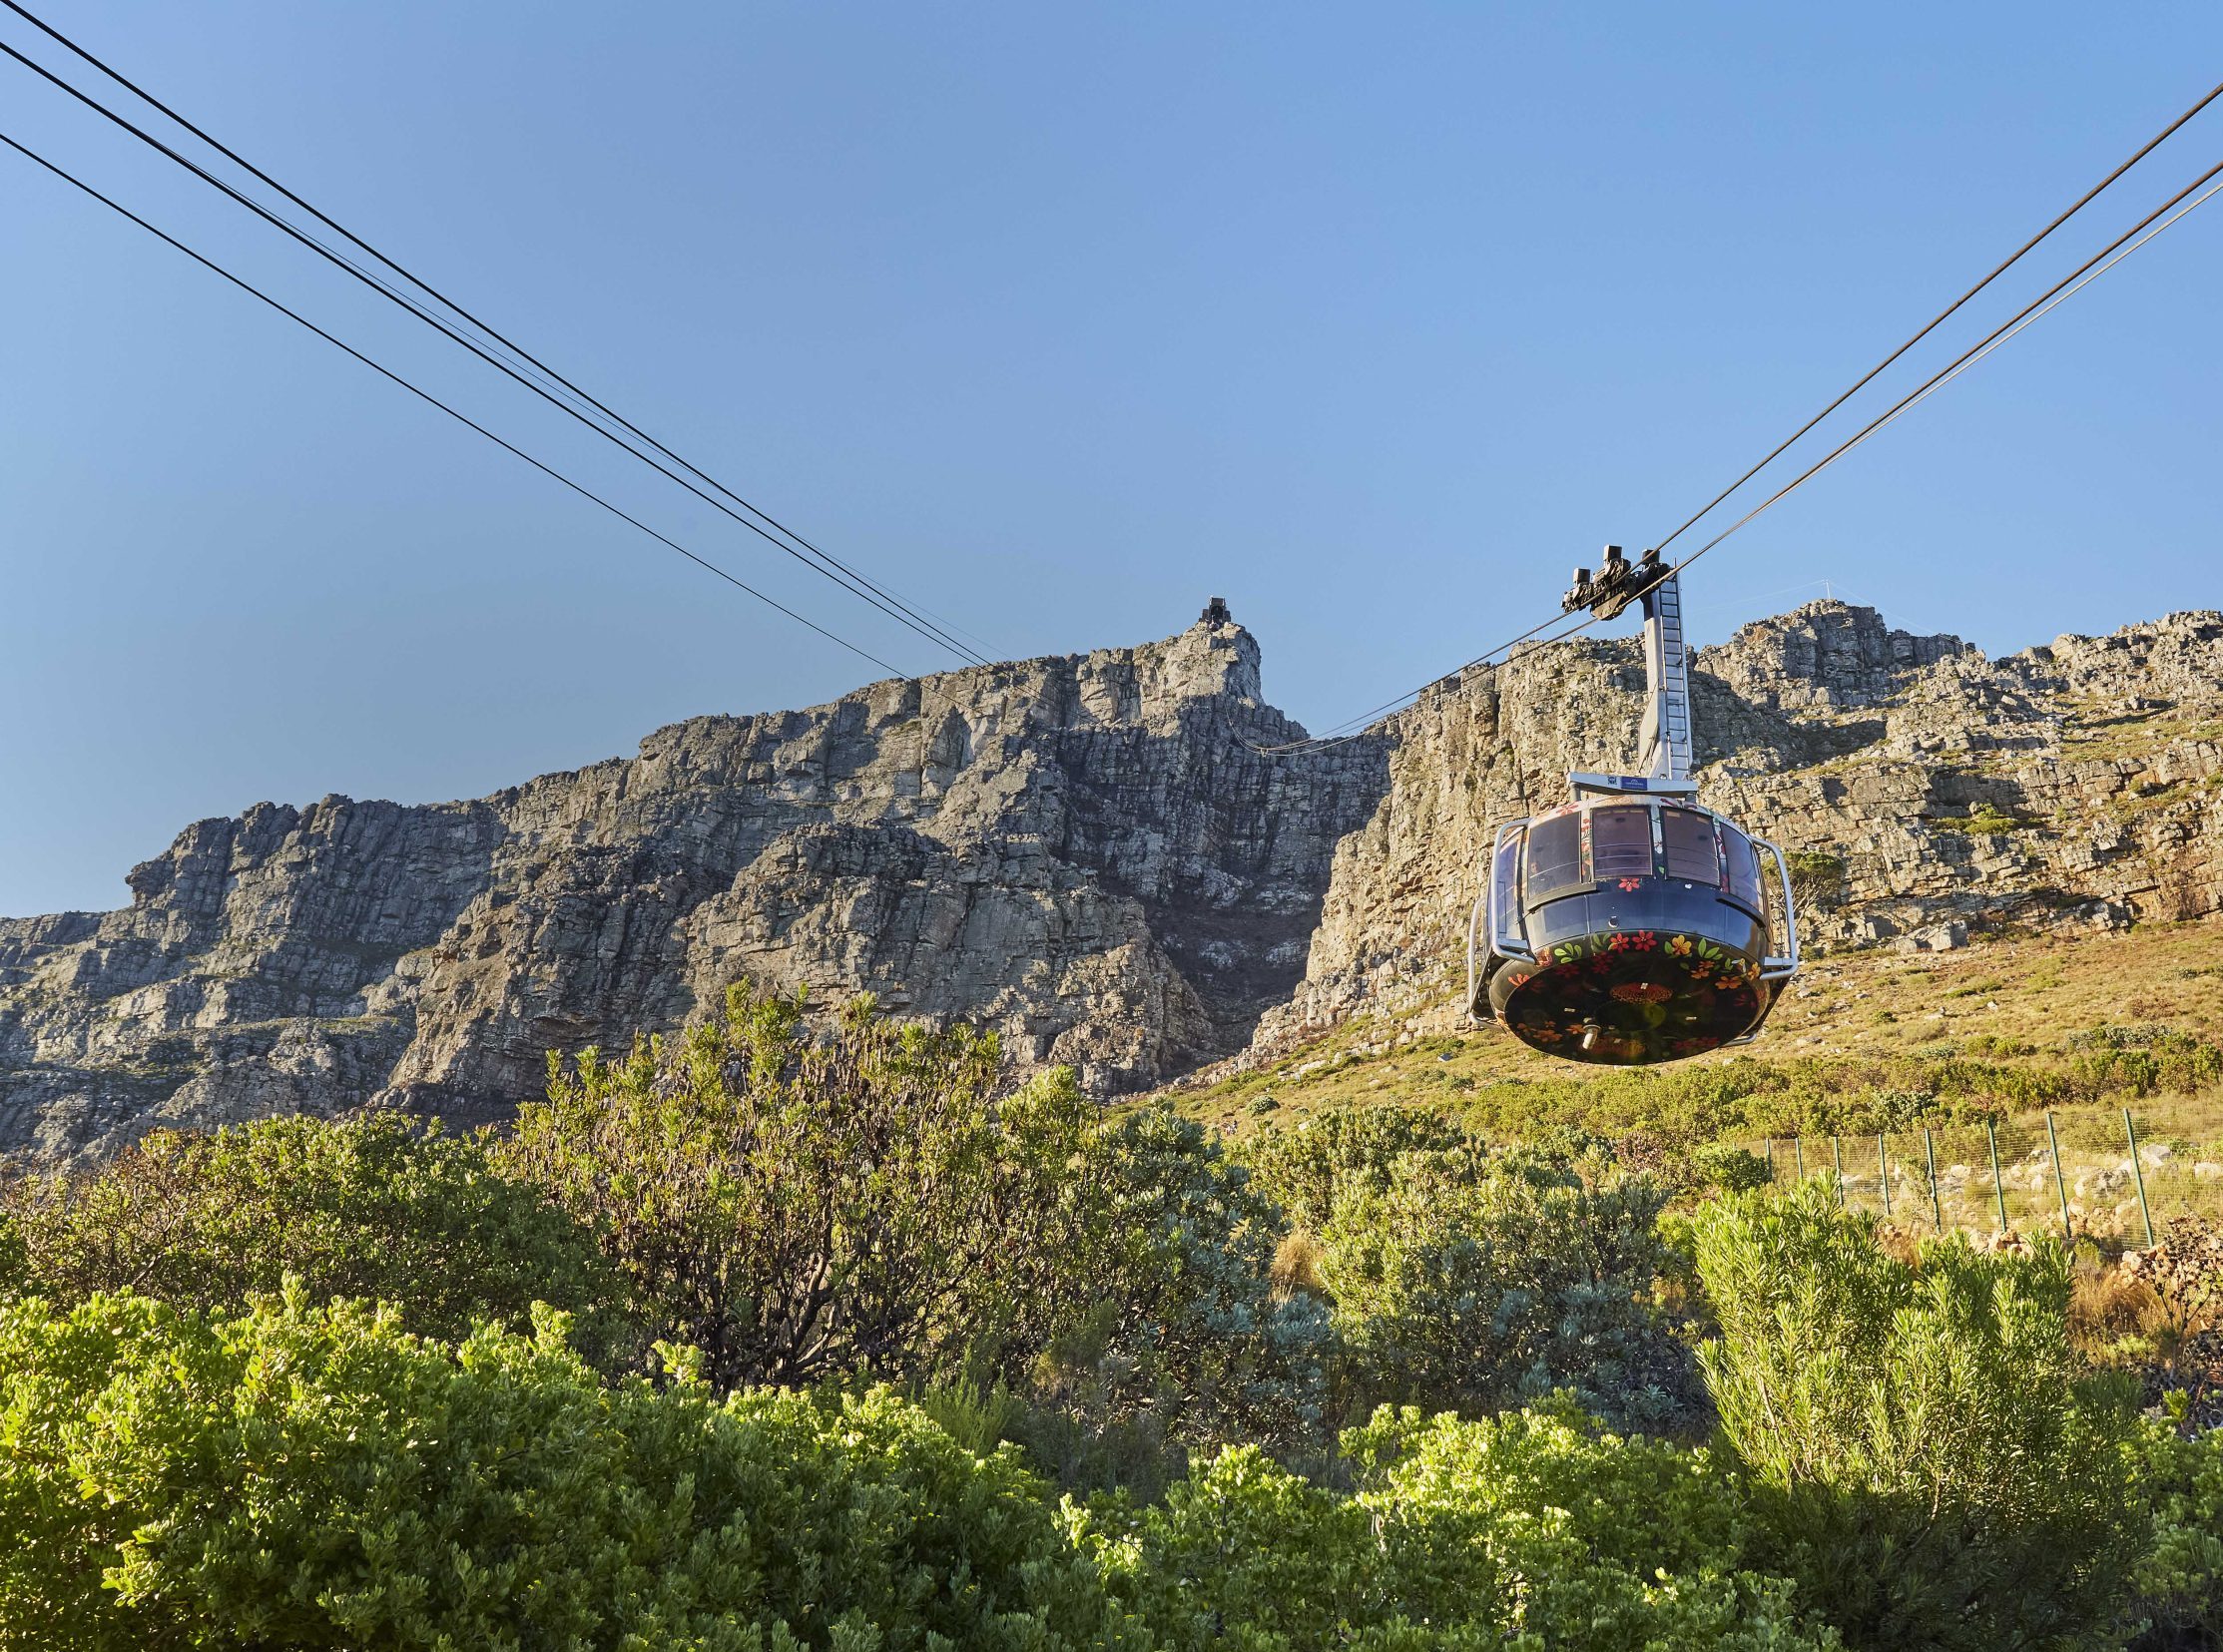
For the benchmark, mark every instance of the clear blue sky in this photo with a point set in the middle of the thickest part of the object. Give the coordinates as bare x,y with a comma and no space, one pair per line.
1375,319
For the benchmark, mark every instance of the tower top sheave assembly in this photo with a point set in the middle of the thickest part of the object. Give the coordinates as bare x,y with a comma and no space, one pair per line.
1665,758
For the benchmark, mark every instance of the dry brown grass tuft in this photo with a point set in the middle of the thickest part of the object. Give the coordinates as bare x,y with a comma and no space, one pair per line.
1296,1267
2106,1305
1898,1244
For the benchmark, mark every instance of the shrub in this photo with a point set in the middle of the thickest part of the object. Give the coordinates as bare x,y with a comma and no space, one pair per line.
15,1256
1923,1458
800,1203
1189,1318
1526,1530
1080,1454
1482,1290
1171,1263
2138,1060
1597,1541
1817,879
316,1478
1730,1168
369,1206
1305,1168
2177,1598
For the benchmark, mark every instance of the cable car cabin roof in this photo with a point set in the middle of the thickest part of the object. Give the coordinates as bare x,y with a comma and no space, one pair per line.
1645,929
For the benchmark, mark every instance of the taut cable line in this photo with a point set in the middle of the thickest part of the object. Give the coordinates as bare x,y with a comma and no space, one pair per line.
520,364
1941,316
425,395
2155,223
2043,305
2144,231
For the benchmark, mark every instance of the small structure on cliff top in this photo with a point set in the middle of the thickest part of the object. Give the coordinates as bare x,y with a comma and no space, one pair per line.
1631,925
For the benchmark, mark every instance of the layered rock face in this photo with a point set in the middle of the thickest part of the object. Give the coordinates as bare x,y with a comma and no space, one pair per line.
1922,789
1086,854
1082,853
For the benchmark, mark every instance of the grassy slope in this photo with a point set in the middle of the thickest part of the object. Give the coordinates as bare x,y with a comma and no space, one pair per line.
1864,1040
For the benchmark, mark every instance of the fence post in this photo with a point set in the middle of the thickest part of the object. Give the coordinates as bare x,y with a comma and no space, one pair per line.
1798,1157
1770,1161
1998,1188
2145,1213
2061,1188
1883,1169
1837,1158
1936,1205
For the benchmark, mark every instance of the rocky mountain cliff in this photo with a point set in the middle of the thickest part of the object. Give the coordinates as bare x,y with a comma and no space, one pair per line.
1924,792
1085,852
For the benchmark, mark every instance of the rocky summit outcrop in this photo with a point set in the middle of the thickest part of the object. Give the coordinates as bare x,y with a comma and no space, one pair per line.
1085,853
1088,854
1924,792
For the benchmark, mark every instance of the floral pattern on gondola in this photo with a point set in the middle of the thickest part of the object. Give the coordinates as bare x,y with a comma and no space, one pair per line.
1637,995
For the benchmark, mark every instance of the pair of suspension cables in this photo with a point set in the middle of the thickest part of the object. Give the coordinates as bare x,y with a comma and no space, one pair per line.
410,292
2170,211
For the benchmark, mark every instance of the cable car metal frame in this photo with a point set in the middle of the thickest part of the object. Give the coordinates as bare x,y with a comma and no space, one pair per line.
1631,925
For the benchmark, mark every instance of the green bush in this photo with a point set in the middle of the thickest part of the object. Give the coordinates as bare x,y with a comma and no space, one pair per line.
1921,1456
1169,1262
2140,1060
1079,1451
15,1256
1528,1531
800,1203
371,1205
2177,1598
1730,1169
1484,1288
1307,1168
315,1479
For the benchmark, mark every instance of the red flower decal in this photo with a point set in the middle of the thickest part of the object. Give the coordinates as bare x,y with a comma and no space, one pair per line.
1644,940
1632,883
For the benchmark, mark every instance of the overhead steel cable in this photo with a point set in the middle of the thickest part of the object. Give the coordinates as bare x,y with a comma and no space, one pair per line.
1934,321
931,633
425,395
522,364
2167,214
2171,212
1363,724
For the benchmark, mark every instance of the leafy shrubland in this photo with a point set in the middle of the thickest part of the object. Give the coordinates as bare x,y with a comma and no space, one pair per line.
795,1333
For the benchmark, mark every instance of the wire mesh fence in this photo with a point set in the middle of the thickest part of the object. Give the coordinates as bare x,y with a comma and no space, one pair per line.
2106,1175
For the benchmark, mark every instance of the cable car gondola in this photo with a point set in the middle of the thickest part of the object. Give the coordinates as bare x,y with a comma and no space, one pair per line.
1631,925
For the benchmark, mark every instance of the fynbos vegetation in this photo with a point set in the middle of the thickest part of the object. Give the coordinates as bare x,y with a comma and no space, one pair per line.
798,1332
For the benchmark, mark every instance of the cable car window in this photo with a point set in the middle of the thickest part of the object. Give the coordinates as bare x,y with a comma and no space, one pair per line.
1621,841
1744,870
1689,840
1554,858
1505,889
